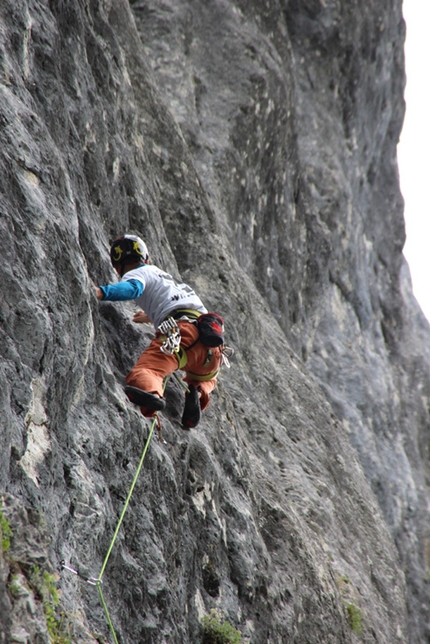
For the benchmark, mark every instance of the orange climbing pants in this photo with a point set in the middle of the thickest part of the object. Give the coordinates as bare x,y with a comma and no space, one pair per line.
153,366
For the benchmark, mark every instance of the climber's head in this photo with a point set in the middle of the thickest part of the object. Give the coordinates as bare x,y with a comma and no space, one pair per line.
127,251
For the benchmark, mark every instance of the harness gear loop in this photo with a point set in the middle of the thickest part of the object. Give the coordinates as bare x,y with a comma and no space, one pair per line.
172,336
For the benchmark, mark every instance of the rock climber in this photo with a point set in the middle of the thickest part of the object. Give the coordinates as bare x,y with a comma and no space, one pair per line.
162,299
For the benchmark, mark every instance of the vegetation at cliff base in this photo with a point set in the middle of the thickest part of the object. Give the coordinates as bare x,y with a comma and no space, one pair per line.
5,532
43,584
216,631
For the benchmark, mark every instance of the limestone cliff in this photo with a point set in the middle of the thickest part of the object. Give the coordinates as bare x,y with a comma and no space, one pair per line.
253,145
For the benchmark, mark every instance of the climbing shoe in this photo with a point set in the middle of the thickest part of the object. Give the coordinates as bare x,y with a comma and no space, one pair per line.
191,415
144,398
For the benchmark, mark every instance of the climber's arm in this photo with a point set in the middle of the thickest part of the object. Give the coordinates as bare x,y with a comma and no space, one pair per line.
129,290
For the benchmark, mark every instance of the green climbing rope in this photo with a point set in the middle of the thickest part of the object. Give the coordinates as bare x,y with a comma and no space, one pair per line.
98,581
106,610
127,501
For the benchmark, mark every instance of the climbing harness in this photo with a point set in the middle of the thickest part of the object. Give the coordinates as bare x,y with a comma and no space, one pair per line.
205,378
97,581
211,329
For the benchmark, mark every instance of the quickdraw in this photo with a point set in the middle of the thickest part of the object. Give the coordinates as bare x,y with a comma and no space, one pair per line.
226,353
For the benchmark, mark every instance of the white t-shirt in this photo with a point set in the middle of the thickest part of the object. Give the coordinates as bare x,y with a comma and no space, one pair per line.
162,294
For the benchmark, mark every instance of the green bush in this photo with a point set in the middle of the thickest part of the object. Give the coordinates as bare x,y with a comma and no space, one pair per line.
218,632
14,587
44,585
354,617
5,531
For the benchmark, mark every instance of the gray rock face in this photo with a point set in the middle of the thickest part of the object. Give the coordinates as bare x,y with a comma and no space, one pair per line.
253,146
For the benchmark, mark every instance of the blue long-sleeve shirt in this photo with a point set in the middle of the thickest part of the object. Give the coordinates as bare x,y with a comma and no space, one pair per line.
130,290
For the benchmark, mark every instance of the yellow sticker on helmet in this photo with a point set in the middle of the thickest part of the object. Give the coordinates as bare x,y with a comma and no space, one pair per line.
136,248
117,253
